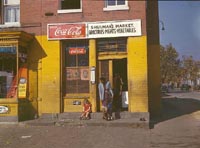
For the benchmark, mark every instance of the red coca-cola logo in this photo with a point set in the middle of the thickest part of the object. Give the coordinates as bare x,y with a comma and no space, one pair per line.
65,31
69,31
73,51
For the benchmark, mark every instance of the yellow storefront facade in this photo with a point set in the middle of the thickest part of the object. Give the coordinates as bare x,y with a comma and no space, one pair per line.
64,64
49,89
52,97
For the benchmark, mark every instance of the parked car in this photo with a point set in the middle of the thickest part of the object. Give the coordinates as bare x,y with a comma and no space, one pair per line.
185,87
197,87
164,89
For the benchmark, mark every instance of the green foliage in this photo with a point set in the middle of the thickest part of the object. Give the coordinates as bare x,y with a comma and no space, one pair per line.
169,63
175,70
190,68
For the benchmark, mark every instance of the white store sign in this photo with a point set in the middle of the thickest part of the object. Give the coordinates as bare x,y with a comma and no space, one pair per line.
86,30
114,29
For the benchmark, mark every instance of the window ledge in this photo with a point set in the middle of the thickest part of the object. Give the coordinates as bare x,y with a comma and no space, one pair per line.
70,11
9,25
77,96
116,8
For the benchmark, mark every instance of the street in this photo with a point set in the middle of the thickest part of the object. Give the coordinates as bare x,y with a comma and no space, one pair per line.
178,127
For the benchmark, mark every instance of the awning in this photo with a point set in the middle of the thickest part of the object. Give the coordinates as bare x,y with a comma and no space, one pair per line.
22,38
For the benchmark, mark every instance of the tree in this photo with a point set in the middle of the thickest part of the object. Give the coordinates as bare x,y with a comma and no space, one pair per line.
169,64
173,69
190,68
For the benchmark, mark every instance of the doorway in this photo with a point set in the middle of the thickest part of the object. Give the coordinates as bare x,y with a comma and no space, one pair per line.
120,67
108,69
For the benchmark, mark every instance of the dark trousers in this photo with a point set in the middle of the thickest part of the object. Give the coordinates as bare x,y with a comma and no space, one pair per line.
117,106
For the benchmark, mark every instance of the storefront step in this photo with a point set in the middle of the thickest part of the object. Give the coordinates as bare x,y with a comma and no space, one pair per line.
142,116
133,120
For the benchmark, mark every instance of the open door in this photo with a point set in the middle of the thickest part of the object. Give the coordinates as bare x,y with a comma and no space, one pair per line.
120,67
108,69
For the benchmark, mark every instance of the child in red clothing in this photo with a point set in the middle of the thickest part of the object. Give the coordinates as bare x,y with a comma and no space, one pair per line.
87,108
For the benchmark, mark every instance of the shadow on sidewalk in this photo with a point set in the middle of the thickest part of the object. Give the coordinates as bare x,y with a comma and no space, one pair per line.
175,107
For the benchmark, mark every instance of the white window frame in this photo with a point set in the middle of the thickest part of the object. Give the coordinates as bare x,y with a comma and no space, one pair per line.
69,10
116,7
10,24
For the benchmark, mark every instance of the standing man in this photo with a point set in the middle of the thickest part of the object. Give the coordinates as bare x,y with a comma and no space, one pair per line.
117,85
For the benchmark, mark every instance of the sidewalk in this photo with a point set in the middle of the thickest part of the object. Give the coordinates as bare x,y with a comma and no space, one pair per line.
72,119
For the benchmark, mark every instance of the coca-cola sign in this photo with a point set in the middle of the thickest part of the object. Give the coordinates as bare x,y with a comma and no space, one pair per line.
74,51
66,31
88,30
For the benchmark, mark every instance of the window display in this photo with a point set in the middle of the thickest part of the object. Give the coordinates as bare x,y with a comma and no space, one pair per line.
11,69
77,67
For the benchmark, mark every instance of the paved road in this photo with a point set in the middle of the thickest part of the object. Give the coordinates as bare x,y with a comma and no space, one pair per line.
190,94
179,127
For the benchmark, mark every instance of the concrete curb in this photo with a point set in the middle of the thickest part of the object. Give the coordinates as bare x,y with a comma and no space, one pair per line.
134,120
92,122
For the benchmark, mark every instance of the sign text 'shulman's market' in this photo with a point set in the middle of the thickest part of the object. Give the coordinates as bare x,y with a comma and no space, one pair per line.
94,30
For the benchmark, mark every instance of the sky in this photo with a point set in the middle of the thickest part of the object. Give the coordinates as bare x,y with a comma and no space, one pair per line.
181,21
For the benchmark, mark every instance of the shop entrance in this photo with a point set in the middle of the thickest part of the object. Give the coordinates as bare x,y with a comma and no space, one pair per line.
109,68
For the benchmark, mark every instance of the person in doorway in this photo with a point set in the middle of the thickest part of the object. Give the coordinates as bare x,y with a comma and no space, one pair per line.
109,100
117,85
87,109
101,87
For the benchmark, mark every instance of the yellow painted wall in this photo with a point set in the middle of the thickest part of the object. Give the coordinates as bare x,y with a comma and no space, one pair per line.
48,67
137,74
48,75
69,107
92,63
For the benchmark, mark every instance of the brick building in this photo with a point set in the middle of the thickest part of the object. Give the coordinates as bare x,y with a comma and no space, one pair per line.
53,52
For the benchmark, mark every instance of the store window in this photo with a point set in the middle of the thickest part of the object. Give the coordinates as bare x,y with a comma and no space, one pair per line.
69,6
116,5
7,69
77,67
10,13
12,70
112,45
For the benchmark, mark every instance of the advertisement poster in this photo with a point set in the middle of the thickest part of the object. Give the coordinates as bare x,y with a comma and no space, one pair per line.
22,88
77,74
84,73
73,74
